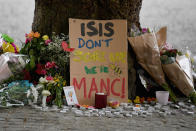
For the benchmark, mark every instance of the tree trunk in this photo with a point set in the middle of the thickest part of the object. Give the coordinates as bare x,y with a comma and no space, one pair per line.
52,16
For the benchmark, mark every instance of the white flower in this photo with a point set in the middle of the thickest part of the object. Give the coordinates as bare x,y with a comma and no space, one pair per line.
51,81
39,86
43,80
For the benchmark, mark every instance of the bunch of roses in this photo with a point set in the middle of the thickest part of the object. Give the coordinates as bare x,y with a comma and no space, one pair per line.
169,53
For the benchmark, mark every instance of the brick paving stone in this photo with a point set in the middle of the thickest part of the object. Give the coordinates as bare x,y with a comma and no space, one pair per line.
26,118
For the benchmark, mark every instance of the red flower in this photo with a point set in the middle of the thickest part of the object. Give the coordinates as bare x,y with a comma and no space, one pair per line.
49,98
49,78
65,47
27,75
40,69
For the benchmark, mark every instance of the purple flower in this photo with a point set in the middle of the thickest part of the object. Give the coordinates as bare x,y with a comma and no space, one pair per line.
144,30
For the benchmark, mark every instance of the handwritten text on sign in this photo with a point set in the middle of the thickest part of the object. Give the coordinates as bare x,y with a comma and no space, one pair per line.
99,62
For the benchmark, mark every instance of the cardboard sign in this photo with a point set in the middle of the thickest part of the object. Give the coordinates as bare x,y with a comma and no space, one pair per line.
99,61
70,95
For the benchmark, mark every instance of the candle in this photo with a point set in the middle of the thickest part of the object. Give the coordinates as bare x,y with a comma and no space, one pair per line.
100,100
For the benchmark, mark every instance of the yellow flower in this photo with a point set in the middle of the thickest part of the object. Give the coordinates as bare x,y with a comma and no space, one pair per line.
129,101
45,37
192,60
58,85
56,80
36,35
17,48
64,83
30,35
7,47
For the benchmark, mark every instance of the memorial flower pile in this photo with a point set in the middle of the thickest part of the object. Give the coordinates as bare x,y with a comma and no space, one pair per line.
46,66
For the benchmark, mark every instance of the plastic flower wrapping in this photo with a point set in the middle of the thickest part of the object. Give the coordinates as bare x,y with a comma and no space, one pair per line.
12,64
15,93
7,44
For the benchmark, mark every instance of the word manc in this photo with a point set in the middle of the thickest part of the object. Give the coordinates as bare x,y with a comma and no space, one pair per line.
108,85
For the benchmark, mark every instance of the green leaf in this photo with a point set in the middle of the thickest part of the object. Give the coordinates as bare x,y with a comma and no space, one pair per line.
35,40
38,59
28,68
32,62
192,97
31,52
171,93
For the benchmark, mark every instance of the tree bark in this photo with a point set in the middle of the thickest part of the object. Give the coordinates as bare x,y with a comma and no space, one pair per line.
52,16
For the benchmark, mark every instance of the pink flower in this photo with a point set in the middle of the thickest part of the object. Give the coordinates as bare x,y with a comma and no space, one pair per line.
49,78
28,40
54,64
47,42
50,65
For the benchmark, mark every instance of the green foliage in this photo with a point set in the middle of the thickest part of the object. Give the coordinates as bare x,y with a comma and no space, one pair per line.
192,97
171,93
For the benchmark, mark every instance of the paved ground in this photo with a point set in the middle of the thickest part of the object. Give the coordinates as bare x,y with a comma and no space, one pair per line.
28,119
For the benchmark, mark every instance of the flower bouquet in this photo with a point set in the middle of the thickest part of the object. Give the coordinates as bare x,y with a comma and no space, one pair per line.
15,93
42,49
7,44
177,67
48,66
52,89
145,46
148,56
